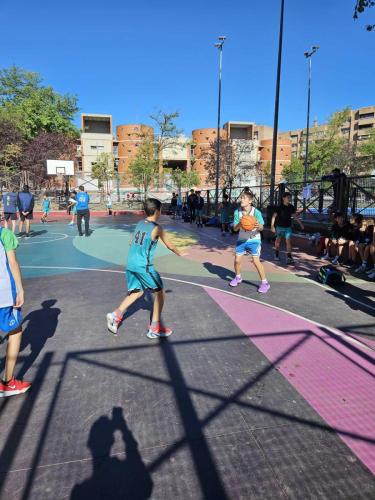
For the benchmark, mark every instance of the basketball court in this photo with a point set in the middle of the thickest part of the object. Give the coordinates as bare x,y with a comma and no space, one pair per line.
252,396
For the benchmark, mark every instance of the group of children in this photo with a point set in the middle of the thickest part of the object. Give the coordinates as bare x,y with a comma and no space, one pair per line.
351,244
18,206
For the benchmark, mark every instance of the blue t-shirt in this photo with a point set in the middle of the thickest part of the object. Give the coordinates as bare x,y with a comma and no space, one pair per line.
83,200
46,205
25,201
10,203
142,248
248,235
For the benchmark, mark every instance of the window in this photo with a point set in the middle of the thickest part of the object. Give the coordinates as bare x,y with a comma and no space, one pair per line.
97,148
345,130
364,127
366,115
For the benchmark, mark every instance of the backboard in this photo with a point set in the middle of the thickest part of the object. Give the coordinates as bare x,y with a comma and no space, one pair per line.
60,167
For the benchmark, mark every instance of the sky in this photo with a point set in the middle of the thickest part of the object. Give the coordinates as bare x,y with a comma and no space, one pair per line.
132,58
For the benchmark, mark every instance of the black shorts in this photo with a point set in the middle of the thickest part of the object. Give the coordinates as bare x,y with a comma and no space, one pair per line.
10,216
29,216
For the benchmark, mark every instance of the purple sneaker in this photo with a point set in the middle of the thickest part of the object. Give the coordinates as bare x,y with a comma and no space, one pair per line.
264,287
235,281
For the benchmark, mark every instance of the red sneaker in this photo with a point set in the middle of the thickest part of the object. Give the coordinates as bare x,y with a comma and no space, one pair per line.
159,331
13,387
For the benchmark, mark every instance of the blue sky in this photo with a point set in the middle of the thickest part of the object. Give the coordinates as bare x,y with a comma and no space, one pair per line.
130,58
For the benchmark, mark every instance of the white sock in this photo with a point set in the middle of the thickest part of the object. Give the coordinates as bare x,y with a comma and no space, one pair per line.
264,281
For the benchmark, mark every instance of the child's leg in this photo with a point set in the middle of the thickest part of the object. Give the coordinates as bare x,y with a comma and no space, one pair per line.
14,226
128,301
13,349
260,268
237,264
20,226
361,250
158,307
277,244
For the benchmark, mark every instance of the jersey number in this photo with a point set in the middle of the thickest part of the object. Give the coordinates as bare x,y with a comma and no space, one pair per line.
139,238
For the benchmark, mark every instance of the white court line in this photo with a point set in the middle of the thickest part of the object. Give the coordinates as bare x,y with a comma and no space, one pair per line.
63,236
334,331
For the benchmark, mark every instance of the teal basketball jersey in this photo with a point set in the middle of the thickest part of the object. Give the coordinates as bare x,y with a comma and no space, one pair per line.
142,248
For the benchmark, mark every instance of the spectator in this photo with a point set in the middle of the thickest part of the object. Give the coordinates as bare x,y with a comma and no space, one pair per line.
72,207
109,203
179,205
174,205
26,207
199,206
364,245
339,238
224,214
10,208
338,180
191,205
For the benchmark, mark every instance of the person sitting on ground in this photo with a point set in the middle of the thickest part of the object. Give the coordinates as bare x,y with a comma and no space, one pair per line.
356,234
199,206
224,214
10,208
364,247
283,217
371,251
338,239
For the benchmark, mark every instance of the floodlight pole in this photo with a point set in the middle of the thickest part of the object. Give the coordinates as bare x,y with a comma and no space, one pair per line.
308,56
219,46
276,114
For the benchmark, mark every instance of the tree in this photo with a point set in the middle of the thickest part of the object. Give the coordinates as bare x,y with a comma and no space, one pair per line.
237,162
104,170
367,149
360,7
294,171
46,146
167,135
9,168
10,132
183,179
143,169
34,107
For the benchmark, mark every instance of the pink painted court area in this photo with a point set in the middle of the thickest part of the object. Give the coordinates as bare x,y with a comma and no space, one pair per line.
333,373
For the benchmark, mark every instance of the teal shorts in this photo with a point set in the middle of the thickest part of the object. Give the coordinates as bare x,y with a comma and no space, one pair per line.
145,280
284,232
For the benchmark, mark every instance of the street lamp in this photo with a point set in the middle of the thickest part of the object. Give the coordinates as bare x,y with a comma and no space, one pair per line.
276,114
308,56
218,45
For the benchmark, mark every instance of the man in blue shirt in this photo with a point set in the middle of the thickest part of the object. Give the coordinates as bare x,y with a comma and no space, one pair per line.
10,208
83,212
26,207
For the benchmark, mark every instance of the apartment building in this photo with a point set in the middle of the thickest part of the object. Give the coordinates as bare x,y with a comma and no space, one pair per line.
358,128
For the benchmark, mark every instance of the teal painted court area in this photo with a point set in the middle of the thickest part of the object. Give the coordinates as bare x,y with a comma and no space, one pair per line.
251,397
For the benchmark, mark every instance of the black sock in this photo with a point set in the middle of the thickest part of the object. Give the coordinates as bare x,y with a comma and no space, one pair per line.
289,255
276,253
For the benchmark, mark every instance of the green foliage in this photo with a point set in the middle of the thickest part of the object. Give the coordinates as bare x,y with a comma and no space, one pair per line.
184,179
34,107
368,147
143,169
360,7
294,171
103,170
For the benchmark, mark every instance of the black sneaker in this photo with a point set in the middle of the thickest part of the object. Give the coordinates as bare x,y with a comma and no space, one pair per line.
80,234
277,258
290,261
27,235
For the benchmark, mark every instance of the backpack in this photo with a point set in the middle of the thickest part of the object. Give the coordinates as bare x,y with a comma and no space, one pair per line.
329,275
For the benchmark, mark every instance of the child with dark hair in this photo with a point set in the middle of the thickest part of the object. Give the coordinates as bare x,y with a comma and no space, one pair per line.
364,245
339,238
141,274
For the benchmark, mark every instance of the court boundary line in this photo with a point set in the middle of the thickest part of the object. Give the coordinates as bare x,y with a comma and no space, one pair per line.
64,237
331,329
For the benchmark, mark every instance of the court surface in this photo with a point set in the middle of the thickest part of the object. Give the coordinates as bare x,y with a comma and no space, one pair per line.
252,397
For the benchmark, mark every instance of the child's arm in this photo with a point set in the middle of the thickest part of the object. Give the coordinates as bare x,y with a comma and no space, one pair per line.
274,215
260,221
296,218
236,221
159,231
16,273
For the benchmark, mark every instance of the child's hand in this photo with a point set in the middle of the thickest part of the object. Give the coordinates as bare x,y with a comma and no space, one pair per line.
19,299
273,230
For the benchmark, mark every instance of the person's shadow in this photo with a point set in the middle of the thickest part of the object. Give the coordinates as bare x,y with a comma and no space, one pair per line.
112,477
41,326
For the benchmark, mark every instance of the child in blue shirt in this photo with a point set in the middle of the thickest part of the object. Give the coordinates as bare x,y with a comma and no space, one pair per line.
141,274
249,242
46,208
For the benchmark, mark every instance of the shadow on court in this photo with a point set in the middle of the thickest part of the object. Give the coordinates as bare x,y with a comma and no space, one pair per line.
114,477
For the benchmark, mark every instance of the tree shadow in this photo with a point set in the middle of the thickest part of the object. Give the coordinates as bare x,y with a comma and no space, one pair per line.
42,325
112,477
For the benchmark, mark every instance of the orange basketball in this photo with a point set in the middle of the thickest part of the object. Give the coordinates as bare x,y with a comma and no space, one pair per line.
248,222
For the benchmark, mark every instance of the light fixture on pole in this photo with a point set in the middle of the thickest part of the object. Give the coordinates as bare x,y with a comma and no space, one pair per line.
218,45
308,56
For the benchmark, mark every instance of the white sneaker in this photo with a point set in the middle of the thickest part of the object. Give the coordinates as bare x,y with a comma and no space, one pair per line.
370,271
371,276
112,324
325,257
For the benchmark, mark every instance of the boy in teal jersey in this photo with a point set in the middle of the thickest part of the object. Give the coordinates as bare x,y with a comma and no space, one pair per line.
249,242
46,208
141,274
